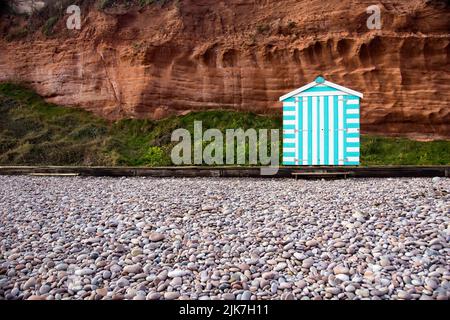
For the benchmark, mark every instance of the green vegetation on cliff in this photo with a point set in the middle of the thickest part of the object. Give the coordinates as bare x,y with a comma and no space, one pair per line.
34,132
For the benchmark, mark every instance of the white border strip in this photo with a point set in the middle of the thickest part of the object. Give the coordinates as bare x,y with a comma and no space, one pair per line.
320,94
289,113
341,130
289,122
350,111
331,130
314,130
352,102
353,120
352,149
322,130
305,145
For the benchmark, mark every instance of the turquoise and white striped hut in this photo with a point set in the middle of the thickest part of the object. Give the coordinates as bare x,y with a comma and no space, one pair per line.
321,125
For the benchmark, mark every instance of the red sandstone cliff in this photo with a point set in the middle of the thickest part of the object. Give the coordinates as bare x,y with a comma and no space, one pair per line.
244,54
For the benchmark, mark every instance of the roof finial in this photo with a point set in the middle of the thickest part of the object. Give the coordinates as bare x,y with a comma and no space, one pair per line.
320,79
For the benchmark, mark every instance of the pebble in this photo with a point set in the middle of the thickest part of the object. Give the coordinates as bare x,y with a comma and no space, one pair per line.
339,244
177,281
36,297
134,268
154,296
61,267
343,277
274,288
15,291
156,236
246,295
84,272
102,292
178,273
431,284
171,295
340,269
364,293
299,256
268,275
136,252
44,289
307,263
123,282
384,262
31,282
332,290
228,296
280,266
404,295
350,288
287,296
311,243
301,284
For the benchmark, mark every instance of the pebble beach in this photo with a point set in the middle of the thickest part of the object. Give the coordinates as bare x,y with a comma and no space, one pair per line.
224,239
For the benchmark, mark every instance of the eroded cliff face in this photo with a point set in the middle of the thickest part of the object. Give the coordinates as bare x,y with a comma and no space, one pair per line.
243,55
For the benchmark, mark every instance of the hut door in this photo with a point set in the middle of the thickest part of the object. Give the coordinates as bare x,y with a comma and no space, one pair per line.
321,130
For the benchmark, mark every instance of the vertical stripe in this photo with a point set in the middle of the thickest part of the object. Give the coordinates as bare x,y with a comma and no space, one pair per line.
284,137
296,126
314,147
321,131
299,128
327,133
336,130
341,130
305,130
345,116
309,131
318,131
331,129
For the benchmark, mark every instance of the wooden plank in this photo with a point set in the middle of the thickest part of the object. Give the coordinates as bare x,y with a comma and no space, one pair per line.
36,174
283,172
321,175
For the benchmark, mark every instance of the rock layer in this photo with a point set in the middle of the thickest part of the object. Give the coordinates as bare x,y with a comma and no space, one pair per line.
243,55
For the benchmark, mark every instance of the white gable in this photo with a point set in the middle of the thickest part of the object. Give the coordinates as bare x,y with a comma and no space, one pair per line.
321,82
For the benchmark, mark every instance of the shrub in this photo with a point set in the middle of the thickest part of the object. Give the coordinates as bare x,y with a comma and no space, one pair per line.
146,2
105,4
263,28
47,29
16,34
155,156
291,25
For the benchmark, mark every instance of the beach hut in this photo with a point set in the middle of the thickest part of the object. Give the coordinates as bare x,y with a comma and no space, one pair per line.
321,125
